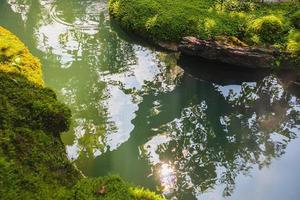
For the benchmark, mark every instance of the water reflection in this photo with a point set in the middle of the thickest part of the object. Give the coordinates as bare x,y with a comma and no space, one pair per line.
167,178
188,132
21,7
210,147
103,76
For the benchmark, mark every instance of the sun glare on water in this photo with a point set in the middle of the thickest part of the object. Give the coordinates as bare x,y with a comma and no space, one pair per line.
167,178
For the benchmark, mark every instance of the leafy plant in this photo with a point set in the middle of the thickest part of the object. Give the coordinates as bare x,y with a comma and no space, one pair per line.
235,5
268,29
293,44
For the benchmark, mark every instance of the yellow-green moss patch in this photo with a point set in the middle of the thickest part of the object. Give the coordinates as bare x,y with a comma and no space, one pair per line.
16,58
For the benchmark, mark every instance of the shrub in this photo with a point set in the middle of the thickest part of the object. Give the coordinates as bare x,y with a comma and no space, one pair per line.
235,5
267,29
293,44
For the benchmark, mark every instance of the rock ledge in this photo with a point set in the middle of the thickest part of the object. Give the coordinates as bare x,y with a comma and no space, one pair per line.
250,57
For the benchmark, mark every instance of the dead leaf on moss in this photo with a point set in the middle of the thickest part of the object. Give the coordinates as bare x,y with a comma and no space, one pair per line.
101,191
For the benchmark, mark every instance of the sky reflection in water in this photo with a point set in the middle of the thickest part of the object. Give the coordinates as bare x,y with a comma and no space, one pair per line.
136,113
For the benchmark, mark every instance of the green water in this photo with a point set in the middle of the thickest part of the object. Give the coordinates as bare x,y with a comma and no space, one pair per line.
183,126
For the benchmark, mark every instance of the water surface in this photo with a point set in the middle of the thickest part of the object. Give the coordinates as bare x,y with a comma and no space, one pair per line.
188,128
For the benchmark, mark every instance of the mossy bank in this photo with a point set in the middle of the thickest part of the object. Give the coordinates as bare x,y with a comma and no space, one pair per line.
33,161
251,23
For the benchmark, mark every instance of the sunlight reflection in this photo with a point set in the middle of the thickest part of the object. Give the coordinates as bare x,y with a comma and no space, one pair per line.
167,178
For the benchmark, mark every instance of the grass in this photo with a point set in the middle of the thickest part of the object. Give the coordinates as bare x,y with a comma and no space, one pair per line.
33,162
170,20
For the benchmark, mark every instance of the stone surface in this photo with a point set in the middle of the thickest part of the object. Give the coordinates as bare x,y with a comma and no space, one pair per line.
168,46
250,57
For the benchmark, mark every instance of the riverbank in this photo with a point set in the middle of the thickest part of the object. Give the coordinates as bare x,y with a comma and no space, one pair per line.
33,161
246,24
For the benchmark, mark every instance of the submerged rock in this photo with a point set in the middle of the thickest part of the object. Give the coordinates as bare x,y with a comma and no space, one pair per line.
244,56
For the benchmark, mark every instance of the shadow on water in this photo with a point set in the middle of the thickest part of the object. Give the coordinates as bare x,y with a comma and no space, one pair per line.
220,73
225,74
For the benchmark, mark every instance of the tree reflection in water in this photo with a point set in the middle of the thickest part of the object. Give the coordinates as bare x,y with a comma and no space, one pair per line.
207,146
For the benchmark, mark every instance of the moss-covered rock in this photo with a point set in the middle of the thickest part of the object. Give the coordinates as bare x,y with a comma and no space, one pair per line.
257,24
32,154
33,161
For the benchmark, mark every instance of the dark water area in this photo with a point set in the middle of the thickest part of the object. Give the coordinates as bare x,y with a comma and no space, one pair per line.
185,127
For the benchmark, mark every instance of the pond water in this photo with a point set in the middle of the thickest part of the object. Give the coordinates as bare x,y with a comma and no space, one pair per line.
184,127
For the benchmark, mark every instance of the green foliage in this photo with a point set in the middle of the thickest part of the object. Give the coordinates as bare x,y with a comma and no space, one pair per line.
295,18
16,58
268,29
293,44
170,20
235,5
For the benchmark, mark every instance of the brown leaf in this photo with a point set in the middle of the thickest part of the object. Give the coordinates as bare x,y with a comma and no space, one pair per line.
101,191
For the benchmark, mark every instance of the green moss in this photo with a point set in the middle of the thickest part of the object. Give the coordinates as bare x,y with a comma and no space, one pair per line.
31,152
170,20
110,188
33,162
16,58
